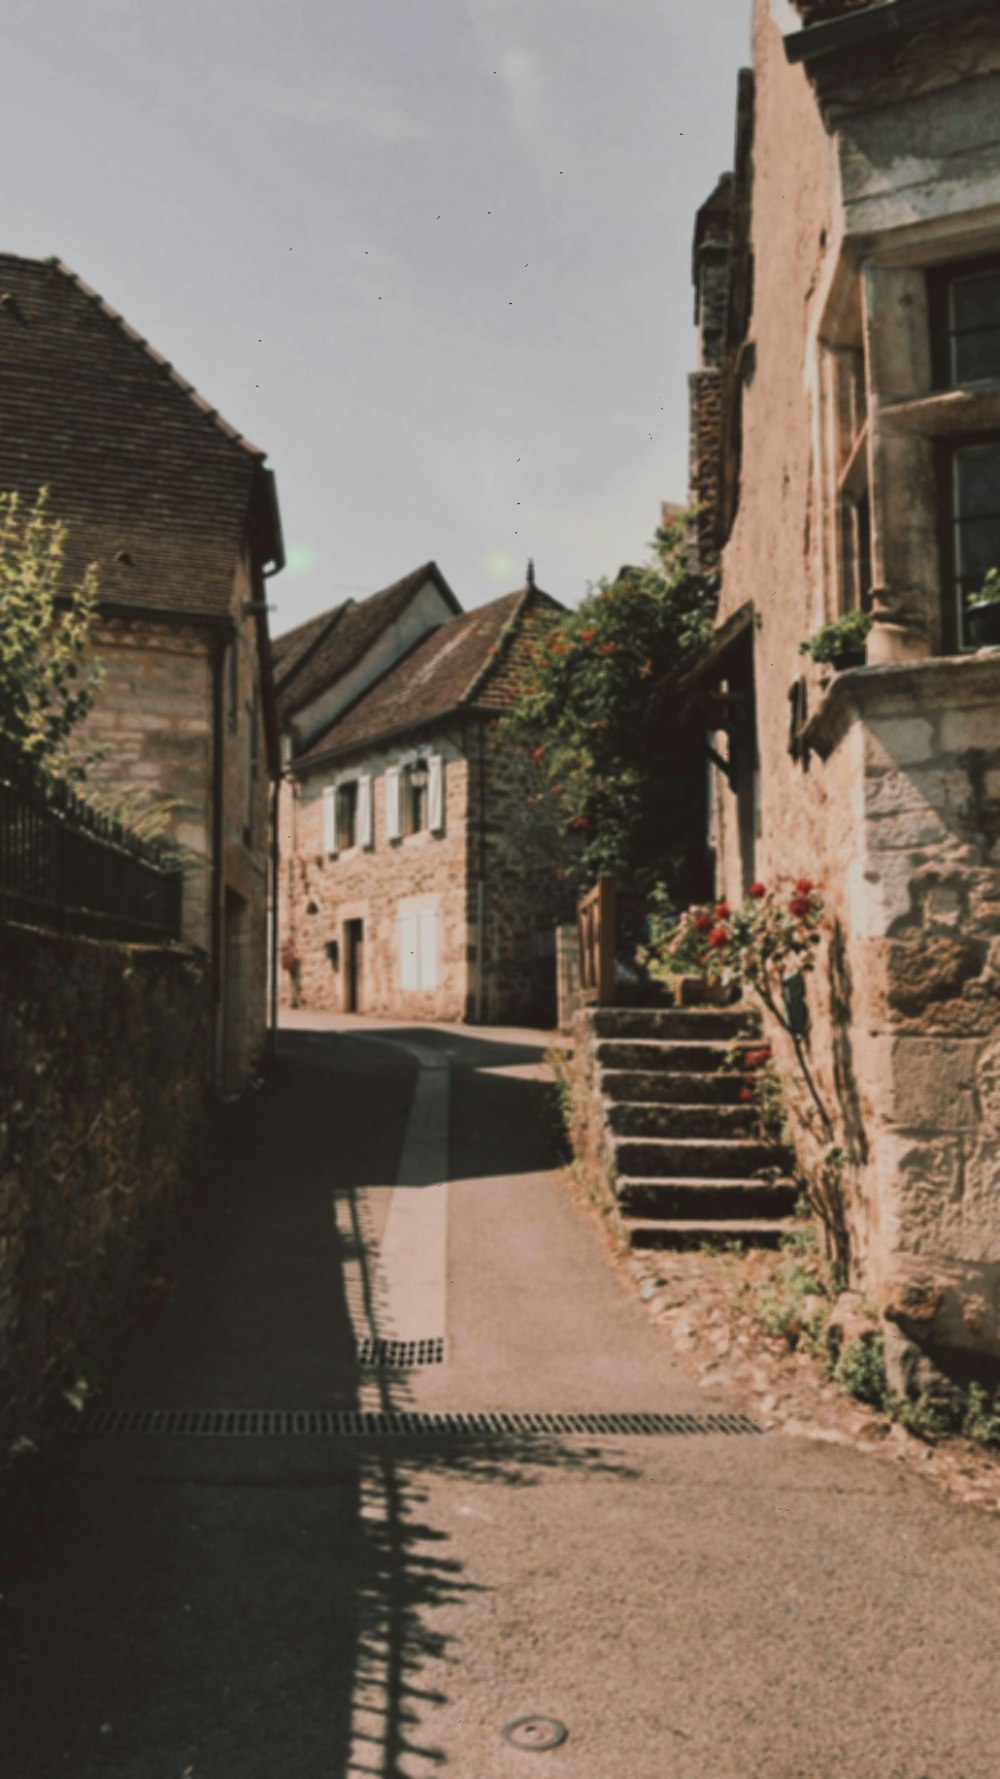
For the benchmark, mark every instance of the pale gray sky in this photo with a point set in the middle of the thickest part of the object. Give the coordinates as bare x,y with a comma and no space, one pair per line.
432,255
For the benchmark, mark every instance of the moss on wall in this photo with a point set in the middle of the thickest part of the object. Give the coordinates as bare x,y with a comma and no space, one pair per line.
103,1052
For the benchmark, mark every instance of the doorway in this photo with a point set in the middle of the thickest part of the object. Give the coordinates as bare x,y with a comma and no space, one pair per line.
354,962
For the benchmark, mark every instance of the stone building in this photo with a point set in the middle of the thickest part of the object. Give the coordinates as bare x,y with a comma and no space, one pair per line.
180,514
415,878
848,284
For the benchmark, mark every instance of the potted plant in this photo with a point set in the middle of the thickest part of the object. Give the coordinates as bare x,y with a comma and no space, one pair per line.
840,643
982,614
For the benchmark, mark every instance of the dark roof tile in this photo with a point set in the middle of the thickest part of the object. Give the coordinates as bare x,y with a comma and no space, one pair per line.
134,459
474,661
356,628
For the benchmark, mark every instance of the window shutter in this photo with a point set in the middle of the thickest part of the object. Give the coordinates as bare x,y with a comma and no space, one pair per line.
330,819
408,963
365,832
393,823
435,795
429,950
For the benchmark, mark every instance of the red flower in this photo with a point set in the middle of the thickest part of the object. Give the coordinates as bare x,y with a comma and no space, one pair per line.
558,648
722,911
587,635
758,891
718,938
804,886
646,670
746,1093
753,1058
800,906
580,821
557,790
703,923
539,753
607,648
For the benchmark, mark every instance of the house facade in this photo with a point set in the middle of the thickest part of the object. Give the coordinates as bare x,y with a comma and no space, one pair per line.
845,449
415,879
180,514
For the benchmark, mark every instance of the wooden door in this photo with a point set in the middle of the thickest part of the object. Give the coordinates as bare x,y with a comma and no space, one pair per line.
354,946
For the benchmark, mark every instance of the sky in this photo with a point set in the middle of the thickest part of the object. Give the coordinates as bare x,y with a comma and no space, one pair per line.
433,256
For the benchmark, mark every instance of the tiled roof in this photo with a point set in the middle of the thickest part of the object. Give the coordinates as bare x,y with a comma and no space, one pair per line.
289,650
153,484
816,12
355,628
473,662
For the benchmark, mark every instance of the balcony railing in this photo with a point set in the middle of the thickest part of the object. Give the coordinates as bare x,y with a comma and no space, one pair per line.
66,866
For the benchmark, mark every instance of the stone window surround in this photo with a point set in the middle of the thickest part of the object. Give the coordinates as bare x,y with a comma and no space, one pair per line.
910,422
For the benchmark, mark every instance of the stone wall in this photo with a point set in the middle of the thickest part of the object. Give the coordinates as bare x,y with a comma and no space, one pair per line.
421,873
524,896
153,720
103,1058
492,836
892,813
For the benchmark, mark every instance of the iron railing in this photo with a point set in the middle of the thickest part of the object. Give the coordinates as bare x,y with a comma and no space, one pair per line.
65,865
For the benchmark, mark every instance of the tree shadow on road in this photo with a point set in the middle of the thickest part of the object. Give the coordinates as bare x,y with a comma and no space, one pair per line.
213,1608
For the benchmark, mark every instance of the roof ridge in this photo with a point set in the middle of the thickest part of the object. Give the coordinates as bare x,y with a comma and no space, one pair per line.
366,691
132,334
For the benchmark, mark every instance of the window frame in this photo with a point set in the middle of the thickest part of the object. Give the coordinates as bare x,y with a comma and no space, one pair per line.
346,793
946,451
940,279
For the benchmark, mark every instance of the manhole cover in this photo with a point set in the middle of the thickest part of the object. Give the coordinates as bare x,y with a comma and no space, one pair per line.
536,1733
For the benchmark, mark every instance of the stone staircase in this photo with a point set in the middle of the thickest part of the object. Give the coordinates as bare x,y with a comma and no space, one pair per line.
684,1168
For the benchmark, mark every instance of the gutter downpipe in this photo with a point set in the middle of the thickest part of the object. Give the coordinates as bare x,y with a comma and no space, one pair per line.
481,885
218,791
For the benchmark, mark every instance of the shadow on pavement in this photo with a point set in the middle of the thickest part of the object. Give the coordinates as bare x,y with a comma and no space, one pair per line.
205,1608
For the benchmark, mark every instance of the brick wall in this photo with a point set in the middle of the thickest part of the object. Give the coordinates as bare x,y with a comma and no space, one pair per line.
421,873
103,1056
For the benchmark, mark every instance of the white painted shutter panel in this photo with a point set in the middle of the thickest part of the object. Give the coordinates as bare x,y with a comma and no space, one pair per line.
408,970
429,950
393,822
329,818
365,836
435,795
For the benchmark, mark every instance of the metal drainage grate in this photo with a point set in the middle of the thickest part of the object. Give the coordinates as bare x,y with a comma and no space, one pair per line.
348,1423
400,1355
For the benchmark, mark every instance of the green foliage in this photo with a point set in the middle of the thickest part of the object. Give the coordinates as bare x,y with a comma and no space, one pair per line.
794,1303
860,1372
831,640
989,592
583,714
45,630
981,1419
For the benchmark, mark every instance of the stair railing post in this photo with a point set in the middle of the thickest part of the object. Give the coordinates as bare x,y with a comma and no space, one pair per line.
607,922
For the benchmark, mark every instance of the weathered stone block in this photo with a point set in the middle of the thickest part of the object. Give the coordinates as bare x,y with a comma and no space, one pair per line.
922,972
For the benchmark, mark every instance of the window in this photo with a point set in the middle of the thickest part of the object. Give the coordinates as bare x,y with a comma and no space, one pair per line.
970,487
415,783
854,511
347,816
965,323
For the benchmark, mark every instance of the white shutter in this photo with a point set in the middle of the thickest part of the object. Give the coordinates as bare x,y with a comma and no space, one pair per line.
365,834
393,822
435,795
408,963
330,818
429,950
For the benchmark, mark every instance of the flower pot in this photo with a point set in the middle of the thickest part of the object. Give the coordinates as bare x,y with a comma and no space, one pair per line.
982,624
855,655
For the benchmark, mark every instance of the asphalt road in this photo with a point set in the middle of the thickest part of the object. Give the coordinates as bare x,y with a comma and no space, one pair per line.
688,1606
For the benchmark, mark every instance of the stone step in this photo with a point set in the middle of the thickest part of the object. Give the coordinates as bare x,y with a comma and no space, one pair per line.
705,1200
656,1118
676,1233
698,1023
671,1088
643,1054
693,1158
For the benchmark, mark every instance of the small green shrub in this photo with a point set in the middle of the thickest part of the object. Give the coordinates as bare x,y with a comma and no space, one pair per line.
831,640
783,1308
860,1372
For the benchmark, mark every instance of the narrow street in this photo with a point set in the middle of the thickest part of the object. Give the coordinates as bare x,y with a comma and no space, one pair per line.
358,1600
